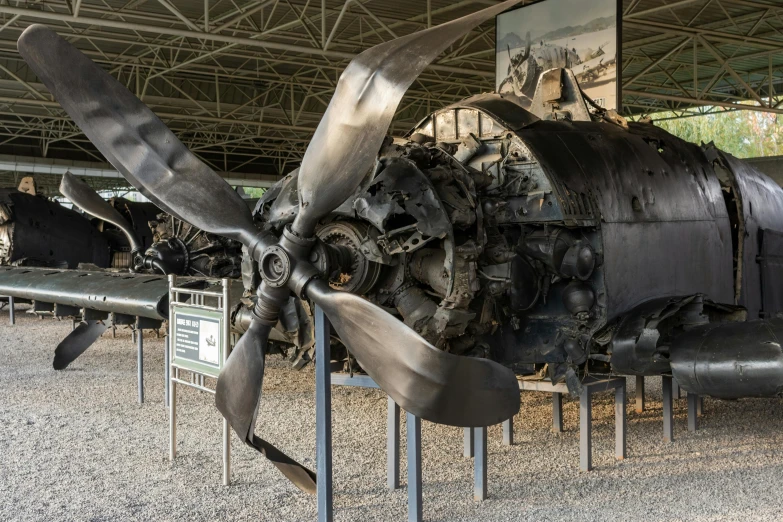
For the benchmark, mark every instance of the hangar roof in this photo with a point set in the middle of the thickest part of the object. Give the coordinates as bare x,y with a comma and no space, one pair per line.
245,82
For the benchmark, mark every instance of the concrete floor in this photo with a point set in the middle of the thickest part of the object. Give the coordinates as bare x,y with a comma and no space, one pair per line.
75,445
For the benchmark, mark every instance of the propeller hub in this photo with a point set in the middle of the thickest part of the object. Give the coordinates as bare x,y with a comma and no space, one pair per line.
275,266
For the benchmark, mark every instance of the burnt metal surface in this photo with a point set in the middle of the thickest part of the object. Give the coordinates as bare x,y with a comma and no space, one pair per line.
732,360
771,271
35,231
656,196
758,204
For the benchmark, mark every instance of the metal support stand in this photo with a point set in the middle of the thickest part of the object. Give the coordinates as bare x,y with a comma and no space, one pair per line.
693,406
508,432
226,352
585,431
700,406
639,393
11,314
140,363
620,419
676,392
590,386
197,380
557,412
668,413
323,417
468,443
415,511
392,444
167,371
480,464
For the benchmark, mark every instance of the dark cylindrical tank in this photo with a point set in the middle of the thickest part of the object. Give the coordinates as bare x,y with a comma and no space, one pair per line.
730,360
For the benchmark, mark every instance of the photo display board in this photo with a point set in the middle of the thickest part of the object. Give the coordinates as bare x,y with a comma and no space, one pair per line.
575,34
198,340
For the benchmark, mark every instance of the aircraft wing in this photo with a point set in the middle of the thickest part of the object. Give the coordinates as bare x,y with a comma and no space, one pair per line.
139,295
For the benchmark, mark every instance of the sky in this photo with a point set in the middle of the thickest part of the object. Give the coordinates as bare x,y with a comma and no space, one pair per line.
553,14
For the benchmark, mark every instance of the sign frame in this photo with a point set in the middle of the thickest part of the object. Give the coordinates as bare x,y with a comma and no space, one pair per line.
185,363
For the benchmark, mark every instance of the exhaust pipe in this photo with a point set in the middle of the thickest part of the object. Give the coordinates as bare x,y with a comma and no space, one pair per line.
730,360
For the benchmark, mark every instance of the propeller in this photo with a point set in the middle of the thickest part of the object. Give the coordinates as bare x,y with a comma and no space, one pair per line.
75,344
84,197
425,381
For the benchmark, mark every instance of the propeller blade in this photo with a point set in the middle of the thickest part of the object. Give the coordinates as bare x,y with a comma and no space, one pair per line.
84,197
134,140
430,383
238,395
75,344
352,130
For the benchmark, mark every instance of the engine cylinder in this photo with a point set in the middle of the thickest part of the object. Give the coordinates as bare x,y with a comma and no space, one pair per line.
730,360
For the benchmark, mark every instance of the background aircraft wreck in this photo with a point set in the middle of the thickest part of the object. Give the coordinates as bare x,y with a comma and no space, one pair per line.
492,243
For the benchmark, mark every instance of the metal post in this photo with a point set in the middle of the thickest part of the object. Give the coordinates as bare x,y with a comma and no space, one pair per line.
11,314
323,417
668,414
173,422
167,370
619,422
700,406
508,432
676,392
480,464
392,444
693,419
557,412
585,430
140,362
468,443
226,348
639,393
171,386
415,511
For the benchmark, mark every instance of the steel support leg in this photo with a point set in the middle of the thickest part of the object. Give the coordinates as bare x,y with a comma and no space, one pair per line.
676,392
167,371
619,422
140,363
11,314
557,412
585,431
415,510
392,444
639,393
668,413
226,453
172,421
700,406
480,464
468,443
323,417
693,406
508,432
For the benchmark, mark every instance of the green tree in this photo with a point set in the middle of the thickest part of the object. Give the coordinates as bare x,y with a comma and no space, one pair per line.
745,134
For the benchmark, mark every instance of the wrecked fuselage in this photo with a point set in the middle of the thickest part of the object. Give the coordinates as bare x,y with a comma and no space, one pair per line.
554,247
36,231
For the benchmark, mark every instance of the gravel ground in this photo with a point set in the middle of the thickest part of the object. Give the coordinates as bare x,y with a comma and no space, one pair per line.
77,446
